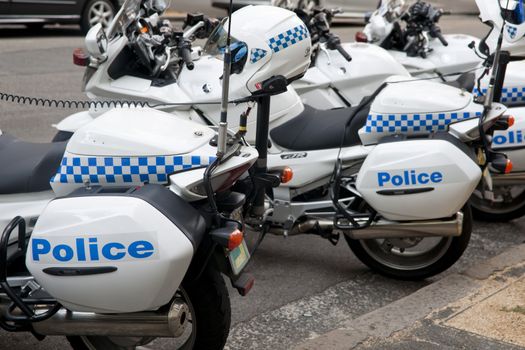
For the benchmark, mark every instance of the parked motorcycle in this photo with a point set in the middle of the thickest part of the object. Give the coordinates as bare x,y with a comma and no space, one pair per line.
132,248
333,81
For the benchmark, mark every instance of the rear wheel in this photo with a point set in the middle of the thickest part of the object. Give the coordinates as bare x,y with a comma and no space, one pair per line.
413,258
209,321
509,204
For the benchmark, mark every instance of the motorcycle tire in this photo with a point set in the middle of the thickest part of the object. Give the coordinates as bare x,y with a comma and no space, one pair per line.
395,265
499,212
211,317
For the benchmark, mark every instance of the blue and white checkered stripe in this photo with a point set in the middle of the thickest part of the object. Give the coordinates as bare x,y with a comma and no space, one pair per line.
126,170
512,31
428,122
288,38
514,94
257,55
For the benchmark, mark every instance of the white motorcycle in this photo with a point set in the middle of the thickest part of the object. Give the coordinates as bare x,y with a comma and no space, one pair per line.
332,82
425,52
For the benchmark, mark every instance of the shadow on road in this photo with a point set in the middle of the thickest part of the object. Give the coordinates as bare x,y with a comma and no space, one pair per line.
21,31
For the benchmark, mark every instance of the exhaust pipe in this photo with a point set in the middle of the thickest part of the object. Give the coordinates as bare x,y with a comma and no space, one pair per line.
383,229
170,323
511,179
392,229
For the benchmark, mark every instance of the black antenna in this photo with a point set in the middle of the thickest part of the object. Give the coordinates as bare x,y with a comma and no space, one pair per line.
223,124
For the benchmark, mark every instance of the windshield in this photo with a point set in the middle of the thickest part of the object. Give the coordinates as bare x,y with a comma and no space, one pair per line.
217,41
127,14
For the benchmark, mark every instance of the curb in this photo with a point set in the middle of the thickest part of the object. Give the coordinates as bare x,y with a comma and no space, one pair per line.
406,311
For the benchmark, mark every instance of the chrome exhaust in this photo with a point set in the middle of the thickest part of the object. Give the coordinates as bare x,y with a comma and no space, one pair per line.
511,179
387,229
392,229
170,323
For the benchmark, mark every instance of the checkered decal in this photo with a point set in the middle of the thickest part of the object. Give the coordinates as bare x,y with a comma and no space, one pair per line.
111,170
512,31
515,94
414,122
257,55
288,38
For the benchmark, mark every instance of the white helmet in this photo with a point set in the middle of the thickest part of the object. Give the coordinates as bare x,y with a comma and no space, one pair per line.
509,14
266,42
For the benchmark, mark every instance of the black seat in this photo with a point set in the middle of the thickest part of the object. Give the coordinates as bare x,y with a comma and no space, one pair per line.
27,167
465,81
317,129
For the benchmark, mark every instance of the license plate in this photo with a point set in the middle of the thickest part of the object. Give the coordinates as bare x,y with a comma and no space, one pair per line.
239,257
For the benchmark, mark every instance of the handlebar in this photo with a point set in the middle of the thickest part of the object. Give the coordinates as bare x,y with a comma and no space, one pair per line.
185,54
333,42
343,52
441,38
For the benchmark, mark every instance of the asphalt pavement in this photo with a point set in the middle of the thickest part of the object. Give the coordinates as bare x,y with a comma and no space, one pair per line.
304,285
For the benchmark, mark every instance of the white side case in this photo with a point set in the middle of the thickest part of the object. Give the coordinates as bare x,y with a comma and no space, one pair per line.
151,255
407,180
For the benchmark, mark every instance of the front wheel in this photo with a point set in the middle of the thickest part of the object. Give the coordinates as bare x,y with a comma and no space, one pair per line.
210,316
509,204
413,258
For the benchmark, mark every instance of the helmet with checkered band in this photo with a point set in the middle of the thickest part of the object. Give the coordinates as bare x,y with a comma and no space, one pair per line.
267,41
509,14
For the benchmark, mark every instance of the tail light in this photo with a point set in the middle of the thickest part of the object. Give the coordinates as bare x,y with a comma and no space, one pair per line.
80,57
361,37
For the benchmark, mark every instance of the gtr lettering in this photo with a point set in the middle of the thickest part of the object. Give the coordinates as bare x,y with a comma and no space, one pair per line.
409,177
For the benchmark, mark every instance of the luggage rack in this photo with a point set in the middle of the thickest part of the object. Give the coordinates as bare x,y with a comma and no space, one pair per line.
20,298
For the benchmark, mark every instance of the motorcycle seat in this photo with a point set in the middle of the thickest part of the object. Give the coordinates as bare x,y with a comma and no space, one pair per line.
465,81
316,129
27,167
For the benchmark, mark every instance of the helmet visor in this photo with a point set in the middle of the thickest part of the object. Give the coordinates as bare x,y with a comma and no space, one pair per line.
217,41
512,11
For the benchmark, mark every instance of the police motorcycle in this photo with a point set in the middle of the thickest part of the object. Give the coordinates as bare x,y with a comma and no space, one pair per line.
425,52
325,84
130,252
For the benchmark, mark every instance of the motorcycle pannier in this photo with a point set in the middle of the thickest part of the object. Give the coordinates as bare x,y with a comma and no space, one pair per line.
112,251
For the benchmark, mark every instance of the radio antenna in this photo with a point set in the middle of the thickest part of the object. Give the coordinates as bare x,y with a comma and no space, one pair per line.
223,124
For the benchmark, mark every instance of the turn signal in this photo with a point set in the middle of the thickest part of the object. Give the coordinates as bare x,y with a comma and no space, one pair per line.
360,37
511,120
235,239
286,175
508,167
80,57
